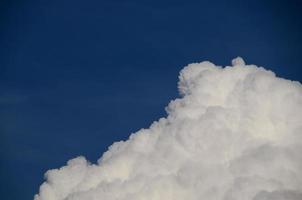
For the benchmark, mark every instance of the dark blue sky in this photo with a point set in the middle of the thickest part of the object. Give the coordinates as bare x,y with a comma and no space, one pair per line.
76,76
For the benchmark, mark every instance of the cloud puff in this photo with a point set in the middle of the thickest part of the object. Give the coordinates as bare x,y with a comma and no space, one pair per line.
234,134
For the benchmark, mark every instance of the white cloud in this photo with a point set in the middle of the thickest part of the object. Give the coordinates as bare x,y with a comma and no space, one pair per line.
235,134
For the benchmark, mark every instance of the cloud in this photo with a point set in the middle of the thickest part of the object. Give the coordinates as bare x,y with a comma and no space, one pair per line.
234,134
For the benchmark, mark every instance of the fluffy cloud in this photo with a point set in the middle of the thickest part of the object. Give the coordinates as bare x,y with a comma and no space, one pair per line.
235,134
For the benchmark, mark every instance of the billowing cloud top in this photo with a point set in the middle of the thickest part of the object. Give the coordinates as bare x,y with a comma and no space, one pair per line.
235,134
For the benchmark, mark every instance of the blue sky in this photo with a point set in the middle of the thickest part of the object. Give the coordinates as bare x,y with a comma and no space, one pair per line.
75,76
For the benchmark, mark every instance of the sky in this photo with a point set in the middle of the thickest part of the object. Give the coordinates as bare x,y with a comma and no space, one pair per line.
76,76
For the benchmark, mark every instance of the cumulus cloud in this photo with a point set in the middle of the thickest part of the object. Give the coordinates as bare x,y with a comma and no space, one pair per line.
234,134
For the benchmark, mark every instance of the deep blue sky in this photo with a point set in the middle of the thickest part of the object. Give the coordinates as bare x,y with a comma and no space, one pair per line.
76,76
